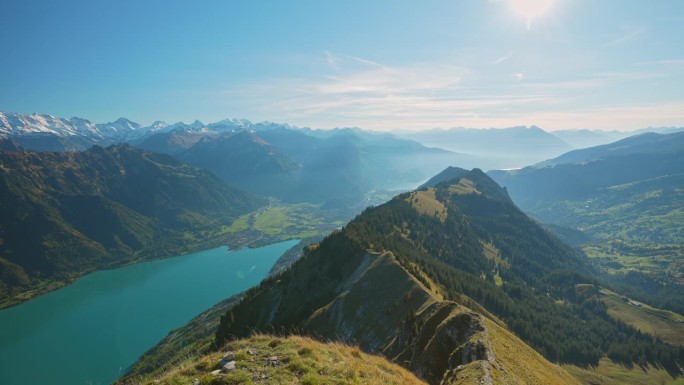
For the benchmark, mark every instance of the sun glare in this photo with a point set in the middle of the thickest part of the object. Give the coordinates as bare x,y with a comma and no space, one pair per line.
530,8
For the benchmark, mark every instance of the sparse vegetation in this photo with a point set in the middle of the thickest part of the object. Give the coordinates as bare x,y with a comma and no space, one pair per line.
266,359
425,202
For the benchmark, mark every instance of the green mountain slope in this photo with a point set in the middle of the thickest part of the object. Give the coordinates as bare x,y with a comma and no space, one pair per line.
245,160
647,143
63,214
427,278
628,198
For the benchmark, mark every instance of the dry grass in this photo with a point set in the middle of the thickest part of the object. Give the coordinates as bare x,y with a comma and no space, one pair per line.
300,360
426,203
464,187
647,319
516,363
610,373
493,254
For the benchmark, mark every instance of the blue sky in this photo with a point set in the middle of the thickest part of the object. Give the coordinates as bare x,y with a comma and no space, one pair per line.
388,64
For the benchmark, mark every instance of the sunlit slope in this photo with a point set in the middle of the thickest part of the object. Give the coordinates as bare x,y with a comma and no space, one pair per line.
370,284
265,359
385,309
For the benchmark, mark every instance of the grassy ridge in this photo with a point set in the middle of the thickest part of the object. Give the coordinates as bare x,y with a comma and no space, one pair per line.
266,359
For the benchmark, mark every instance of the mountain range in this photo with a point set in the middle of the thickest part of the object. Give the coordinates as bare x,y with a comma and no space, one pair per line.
584,138
516,147
303,165
42,132
496,147
627,166
64,214
48,133
264,158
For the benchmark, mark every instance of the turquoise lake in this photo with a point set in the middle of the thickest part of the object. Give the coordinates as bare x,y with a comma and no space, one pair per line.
91,331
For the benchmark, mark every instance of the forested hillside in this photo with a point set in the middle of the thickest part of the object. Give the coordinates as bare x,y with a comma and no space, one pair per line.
63,214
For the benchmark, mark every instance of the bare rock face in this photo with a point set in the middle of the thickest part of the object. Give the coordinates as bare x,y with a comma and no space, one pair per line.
439,339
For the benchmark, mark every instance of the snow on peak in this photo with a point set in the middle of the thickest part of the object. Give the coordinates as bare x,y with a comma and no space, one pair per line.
13,124
120,129
157,126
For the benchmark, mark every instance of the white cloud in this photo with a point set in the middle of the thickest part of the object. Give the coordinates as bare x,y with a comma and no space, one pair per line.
503,58
355,91
331,60
631,34
621,117
671,63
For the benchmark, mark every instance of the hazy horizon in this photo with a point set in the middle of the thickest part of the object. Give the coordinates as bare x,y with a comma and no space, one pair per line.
385,65
387,130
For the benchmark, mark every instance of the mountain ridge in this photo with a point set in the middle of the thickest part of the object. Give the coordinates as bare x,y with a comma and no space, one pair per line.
437,280
461,244
64,214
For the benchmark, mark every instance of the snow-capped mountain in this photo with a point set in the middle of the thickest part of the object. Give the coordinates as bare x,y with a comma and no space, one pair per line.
122,128
44,132
228,125
18,126
35,124
157,126
12,124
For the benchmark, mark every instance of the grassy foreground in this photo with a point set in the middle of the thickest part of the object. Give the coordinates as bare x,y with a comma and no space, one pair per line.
266,359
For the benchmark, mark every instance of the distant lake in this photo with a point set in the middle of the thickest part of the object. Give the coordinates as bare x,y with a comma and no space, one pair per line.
91,331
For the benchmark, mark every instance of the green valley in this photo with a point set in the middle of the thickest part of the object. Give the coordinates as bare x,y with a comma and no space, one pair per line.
625,198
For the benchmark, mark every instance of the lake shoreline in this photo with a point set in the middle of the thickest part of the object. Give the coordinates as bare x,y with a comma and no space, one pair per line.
119,314
45,286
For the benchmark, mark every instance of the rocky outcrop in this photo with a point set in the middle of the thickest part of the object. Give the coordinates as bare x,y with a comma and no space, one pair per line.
441,339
